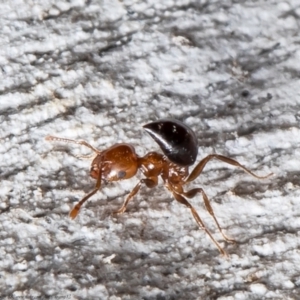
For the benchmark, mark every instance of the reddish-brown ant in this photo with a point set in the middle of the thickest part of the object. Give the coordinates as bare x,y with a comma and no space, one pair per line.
179,145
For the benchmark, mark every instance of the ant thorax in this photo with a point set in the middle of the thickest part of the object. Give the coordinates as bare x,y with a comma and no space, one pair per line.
151,164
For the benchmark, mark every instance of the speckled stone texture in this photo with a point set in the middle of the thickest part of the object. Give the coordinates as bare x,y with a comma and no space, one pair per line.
98,70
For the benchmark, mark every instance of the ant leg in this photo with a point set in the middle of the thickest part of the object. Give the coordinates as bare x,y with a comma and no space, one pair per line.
200,166
74,212
149,182
200,223
192,193
83,143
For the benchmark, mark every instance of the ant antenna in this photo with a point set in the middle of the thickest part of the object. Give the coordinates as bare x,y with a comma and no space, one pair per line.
80,142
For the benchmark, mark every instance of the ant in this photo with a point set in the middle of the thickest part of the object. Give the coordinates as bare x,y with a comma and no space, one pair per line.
179,145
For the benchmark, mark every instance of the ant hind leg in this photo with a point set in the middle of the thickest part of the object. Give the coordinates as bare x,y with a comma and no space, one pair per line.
200,223
200,166
192,193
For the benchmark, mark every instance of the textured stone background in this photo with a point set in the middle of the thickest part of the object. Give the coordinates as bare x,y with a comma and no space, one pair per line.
99,70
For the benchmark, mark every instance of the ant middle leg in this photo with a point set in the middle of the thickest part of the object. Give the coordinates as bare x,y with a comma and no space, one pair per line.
192,193
200,223
200,166
149,182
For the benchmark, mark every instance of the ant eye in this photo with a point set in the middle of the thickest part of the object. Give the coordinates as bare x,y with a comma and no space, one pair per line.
121,174
177,141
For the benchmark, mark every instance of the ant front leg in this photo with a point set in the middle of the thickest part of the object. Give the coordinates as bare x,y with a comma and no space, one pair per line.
74,212
192,193
200,223
149,182
200,166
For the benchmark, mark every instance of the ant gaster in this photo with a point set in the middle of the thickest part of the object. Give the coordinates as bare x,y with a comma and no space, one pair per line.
179,145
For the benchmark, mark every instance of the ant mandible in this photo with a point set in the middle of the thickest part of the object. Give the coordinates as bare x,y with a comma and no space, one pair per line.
179,145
